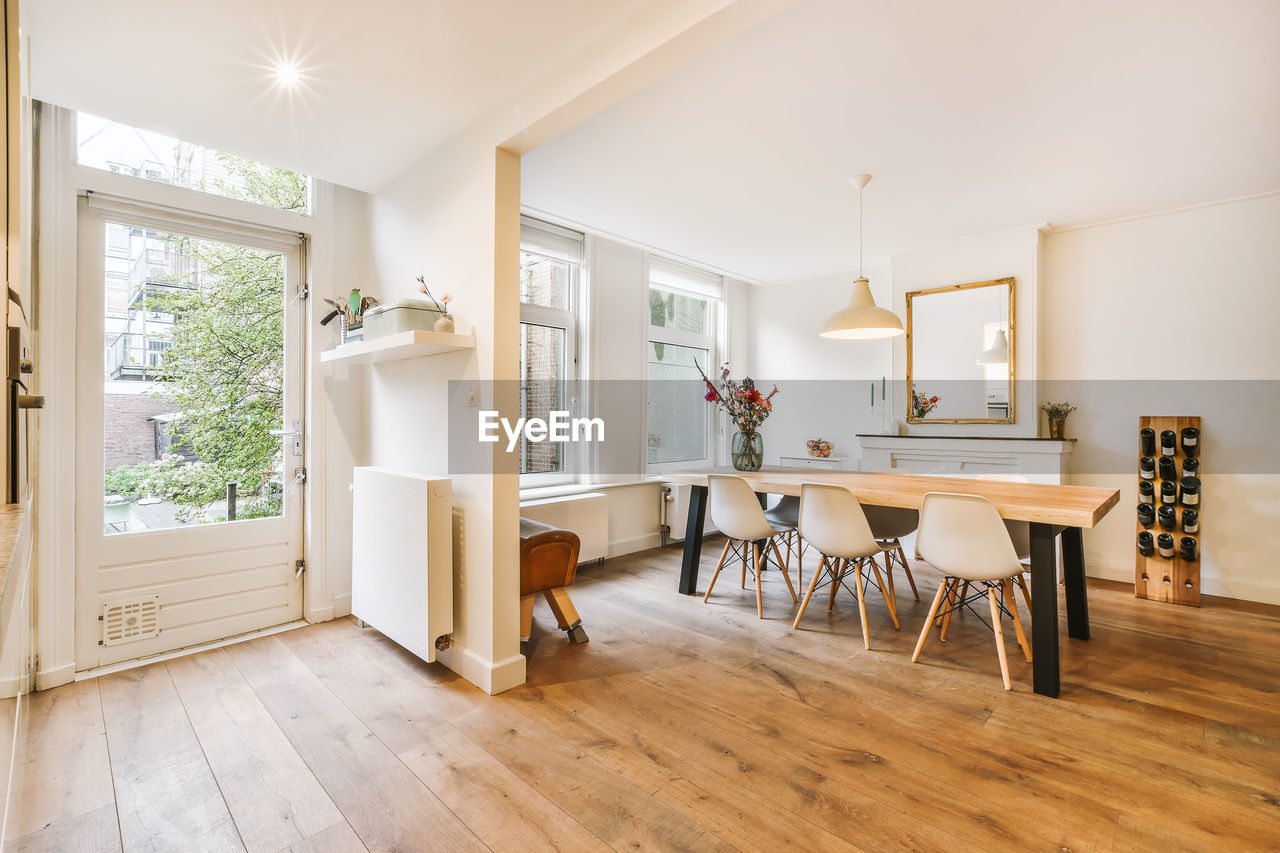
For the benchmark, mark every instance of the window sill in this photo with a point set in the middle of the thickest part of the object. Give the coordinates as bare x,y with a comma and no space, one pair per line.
582,488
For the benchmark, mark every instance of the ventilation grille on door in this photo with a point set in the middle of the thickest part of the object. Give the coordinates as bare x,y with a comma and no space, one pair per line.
126,621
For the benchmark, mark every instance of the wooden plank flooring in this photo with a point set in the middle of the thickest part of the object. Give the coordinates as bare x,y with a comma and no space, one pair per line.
680,726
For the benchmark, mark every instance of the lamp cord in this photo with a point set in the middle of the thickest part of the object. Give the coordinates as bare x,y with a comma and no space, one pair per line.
859,232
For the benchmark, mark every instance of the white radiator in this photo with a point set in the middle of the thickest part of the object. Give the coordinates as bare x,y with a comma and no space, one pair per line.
402,556
585,514
675,511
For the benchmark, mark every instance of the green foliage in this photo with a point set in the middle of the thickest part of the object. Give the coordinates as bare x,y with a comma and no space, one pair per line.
224,368
262,184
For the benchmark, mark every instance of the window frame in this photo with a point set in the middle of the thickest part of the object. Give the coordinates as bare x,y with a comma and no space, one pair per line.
572,456
709,341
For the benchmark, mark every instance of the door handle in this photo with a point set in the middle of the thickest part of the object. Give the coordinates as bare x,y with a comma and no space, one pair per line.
296,432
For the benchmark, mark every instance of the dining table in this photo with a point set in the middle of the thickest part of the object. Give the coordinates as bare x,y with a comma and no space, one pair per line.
1052,511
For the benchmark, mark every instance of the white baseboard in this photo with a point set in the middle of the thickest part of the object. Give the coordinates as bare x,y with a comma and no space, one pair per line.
634,544
320,614
341,606
55,677
492,677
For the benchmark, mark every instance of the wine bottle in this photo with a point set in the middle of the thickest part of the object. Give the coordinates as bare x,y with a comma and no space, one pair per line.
1190,441
1168,492
1168,517
1168,468
1188,549
1146,492
1146,544
1190,491
1147,467
1147,441
1165,543
1147,514
1168,442
1191,467
1190,521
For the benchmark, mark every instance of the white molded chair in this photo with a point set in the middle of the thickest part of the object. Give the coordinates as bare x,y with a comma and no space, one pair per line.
889,524
736,512
964,537
832,521
785,516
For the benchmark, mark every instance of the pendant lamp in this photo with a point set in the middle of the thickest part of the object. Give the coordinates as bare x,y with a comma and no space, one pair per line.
861,320
999,352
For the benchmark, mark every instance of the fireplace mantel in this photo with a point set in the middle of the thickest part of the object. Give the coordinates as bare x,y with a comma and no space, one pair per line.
1041,460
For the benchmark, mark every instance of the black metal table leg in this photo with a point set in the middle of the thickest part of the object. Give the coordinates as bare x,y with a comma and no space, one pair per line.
693,540
1044,610
1073,580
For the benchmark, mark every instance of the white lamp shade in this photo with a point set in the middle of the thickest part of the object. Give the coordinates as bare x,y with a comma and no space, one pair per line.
862,320
999,352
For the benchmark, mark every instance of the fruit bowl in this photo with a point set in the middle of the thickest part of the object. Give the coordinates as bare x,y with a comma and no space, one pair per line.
820,447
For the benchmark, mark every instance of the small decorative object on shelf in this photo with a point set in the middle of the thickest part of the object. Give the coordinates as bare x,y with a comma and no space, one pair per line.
747,408
1146,514
922,405
1168,564
444,323
1057,415
820,447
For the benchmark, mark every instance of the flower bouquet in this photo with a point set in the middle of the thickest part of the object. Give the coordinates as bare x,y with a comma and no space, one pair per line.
922,405
747,408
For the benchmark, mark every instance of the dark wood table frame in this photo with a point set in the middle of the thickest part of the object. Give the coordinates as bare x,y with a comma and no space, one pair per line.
1044,583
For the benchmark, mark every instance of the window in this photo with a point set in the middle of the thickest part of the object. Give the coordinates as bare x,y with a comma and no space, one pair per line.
683,304
125,150
550,273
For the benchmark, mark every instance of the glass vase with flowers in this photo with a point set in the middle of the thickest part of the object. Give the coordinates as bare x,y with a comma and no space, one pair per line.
747,408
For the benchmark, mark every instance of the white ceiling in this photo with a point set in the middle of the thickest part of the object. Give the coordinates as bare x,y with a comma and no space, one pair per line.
973,117
383,81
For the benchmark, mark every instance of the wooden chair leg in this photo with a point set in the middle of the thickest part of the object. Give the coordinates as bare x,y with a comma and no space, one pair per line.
907,568
786,573
720,565
526,617
755,550
799,558
744,565
953,601
1024,584
562,607
888,576
817,576
839,567
928,623
862,603
888,599
1017,621
999,632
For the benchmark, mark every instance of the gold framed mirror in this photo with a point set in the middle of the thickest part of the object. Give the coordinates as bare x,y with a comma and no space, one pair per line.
956,338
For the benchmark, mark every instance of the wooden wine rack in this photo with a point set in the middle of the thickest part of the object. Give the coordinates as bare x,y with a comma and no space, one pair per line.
1170,579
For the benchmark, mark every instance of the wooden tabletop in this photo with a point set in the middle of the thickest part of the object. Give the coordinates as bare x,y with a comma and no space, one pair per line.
1068,506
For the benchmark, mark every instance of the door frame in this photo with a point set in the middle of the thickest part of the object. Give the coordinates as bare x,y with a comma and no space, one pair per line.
188,543
60,180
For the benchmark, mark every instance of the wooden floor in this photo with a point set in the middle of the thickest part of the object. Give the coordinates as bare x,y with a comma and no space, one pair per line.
680,726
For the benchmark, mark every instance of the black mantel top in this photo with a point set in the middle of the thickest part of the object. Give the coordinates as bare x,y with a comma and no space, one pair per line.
965,437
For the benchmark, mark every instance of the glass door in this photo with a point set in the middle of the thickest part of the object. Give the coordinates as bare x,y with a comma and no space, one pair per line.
189,462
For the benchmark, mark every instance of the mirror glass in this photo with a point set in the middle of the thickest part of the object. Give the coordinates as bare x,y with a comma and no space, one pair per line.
960,349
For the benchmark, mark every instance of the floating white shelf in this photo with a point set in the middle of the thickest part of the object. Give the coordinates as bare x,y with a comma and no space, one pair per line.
397,347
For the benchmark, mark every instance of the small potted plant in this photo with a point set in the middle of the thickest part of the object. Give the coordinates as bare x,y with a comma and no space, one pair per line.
1057,415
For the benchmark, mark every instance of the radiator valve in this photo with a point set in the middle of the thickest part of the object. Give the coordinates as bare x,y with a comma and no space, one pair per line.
443,642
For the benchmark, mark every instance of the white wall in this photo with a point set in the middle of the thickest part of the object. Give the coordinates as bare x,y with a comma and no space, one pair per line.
824,386
1014,253
1113,293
